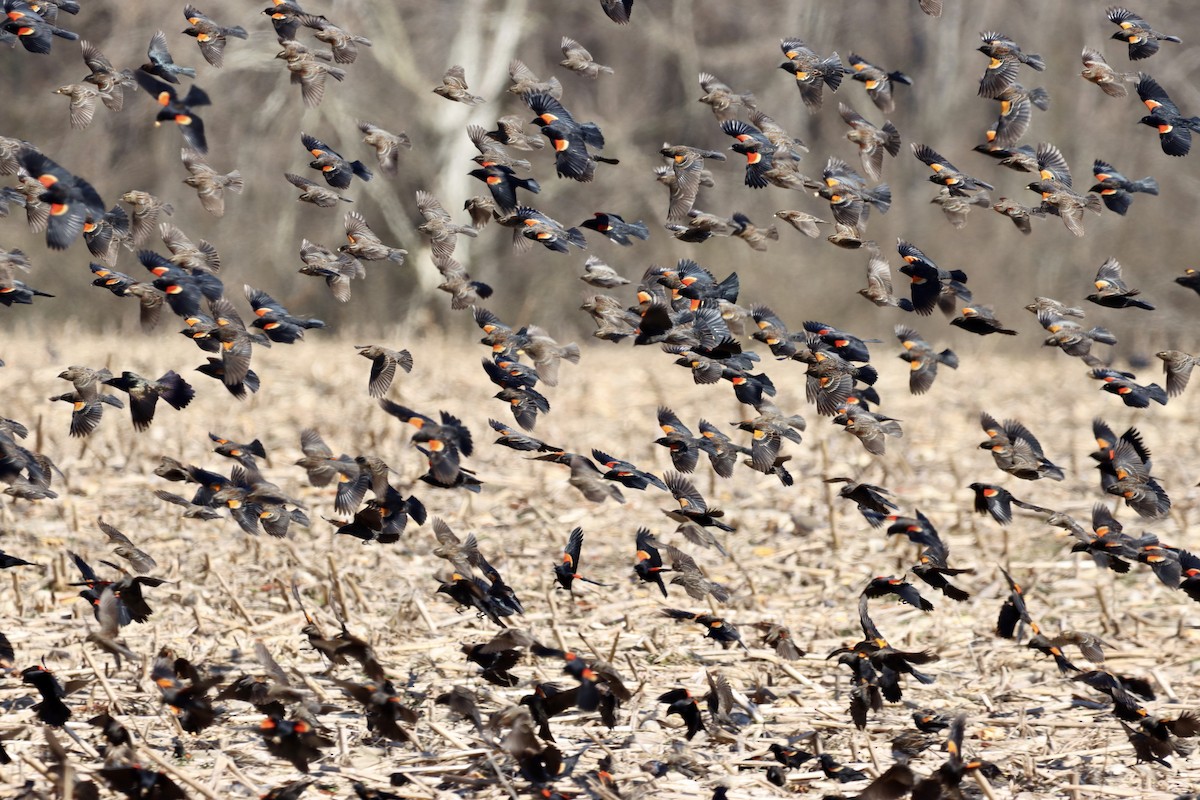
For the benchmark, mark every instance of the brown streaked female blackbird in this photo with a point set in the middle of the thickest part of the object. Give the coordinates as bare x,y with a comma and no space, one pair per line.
1112,291
1005,59
722,98
932,286
680,701
878,82
294,741
144,394
1137,33
209,35
71,200
998,502
1174,129
868,427
338,269
310,70
126,549
454,87
1097,71
209,184
1177,367
502,182
343,43
1021,215
906,592
383,366
693,581
337,170
108,612
83,103
525,81
456,282
1016,450
1115,189
586,477
648,563
956,208
923,360
566,571
312,192
946,174
1132,394
1072,338
779,638
872,142
387,145
178,110
383,706
578,59
616,228
51,710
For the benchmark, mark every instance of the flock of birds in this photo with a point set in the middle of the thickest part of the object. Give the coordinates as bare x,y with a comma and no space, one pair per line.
692,315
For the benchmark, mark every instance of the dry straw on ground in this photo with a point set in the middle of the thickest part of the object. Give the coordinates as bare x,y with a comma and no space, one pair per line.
796,558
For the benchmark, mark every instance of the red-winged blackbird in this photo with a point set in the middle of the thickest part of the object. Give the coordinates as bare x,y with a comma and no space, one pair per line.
178,110
189,700
906,592
1174,129
160,62
812,73
779,638
210,36
625,473
1115,189
617,10
383,707
1112,291
790,757
923,360
445,442
454,87
144,394
932,286
878,81
502,182
648,561
71,199
680,701
1006,58
684,447
715,627
1132,394
1190,279
292,740
1137,33
616,228
566,572
998,502
692,505
31,29
337,170
838,772
570,139
139,783
946,174
51,710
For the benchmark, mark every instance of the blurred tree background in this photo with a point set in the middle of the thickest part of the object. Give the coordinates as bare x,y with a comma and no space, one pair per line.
257,116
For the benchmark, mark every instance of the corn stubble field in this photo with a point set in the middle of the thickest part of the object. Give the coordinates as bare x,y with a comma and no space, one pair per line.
796,559
798,556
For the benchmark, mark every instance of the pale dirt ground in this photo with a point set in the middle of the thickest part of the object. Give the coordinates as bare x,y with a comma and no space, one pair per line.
797,560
